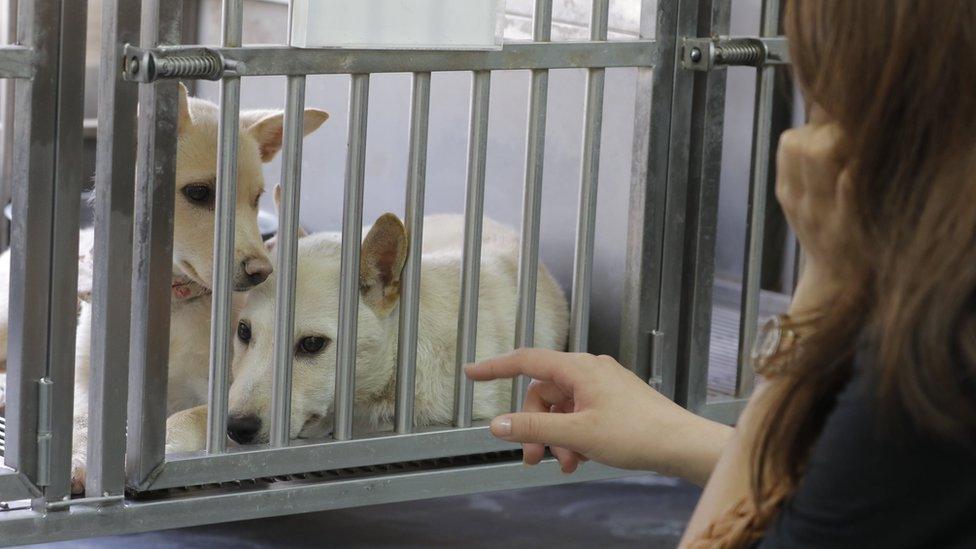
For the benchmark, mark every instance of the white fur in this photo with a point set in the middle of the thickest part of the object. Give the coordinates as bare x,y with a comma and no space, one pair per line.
196,160
316,313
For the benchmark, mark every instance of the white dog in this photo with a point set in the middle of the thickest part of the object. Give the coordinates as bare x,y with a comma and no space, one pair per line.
196,163
316,321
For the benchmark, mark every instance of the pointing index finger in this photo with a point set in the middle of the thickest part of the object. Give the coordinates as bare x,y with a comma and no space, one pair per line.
541,364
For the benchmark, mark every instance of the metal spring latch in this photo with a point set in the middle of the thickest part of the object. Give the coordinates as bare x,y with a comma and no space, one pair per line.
145,66
705,54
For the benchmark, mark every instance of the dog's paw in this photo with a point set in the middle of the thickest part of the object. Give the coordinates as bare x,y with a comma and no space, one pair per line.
3,394
186,431
78,471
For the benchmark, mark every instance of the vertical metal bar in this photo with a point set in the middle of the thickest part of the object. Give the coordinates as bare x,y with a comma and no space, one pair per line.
471,262
704,174
220,328
69,181
287,250
114,167
579,316
410,282
153,252
755,228
352,236
35,131
648,187
535,147
7,145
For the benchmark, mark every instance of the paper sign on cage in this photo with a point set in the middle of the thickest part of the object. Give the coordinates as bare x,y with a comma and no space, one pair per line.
398,24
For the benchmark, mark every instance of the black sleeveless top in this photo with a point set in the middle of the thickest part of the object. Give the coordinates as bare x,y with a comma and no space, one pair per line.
863,488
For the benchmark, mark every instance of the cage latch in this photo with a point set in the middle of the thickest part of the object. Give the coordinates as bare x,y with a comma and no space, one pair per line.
150,65
705,54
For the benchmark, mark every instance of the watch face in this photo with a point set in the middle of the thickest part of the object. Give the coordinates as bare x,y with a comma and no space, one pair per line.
768,339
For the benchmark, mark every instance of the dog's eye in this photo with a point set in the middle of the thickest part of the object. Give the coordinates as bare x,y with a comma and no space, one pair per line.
201,194
311,345
243,332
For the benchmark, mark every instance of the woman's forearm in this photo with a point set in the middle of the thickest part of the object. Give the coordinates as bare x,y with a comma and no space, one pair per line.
696,445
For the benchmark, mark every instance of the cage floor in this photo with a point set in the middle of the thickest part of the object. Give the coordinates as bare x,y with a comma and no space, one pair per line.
723,355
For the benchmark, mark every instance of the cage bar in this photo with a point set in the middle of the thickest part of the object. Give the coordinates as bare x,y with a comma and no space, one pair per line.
579,316
287,258
114,168
34,123
7,104
410,281
69,181
352,236
154,204
755,228
474,205
535,148
220,326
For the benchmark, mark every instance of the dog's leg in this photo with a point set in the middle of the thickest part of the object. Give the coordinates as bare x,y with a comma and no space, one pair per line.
186,431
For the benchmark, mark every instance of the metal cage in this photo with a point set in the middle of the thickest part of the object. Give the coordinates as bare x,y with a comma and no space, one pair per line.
131,484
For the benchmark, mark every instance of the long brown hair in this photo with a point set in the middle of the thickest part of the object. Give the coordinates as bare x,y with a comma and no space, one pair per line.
899,76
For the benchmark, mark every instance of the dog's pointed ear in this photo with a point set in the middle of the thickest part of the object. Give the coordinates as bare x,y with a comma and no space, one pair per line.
185,119
270,243
267,126
381,262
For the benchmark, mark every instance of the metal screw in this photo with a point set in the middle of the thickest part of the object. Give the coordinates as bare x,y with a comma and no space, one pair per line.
134,65
696,55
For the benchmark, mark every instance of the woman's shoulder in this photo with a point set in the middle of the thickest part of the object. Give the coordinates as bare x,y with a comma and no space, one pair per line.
872,478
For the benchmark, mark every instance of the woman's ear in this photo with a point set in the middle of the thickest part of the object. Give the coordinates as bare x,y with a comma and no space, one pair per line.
383,254
267,127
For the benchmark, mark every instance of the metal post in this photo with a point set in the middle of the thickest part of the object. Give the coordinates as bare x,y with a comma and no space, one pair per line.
535,147
220,327
287,267
474,205
35,131
704,175
352,236
64,252
755,229
114,168
410,281
153,254
7,145
579,316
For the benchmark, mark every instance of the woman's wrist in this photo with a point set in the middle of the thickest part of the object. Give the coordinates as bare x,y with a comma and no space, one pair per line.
691,449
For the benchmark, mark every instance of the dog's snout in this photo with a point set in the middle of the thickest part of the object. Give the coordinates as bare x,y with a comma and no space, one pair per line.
257,270
242,428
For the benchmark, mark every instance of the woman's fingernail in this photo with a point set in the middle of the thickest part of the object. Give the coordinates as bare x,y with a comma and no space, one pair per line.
501,426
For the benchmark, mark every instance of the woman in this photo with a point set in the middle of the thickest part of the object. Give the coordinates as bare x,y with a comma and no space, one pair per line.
863,431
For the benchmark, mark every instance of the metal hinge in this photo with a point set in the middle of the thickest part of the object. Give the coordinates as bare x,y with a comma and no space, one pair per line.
45,388
144,65
705,54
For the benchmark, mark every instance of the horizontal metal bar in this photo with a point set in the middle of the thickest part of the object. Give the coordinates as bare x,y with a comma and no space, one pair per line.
285,60
16,62
198,468
27,526
15,486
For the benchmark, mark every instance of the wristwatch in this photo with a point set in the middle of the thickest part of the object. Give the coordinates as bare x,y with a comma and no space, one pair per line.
774,338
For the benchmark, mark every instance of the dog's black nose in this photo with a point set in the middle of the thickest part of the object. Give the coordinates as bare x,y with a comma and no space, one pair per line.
256,270
242,428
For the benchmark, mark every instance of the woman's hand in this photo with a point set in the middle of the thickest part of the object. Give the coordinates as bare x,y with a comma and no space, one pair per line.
587,407
814,188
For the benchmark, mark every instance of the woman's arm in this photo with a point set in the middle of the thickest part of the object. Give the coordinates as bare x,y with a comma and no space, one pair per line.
608,414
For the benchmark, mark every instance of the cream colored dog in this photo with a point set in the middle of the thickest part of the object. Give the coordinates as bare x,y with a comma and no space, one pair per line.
196,162
316,321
